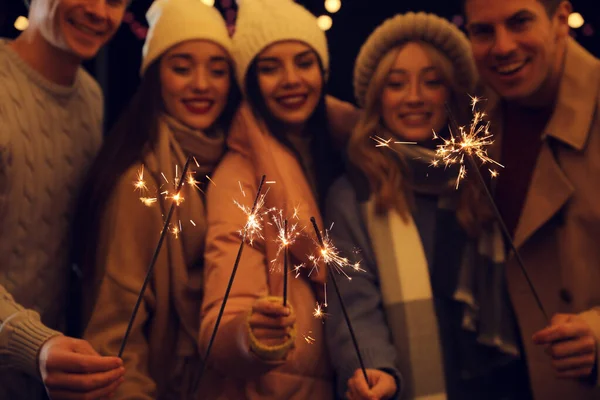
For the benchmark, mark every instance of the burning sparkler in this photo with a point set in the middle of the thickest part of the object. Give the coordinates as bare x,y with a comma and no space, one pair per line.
330,255
471,146
253,226
286,236
252,230
154,257
141,185
466,144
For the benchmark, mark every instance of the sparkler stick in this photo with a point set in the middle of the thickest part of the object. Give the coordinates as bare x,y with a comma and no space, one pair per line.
339,296
454,126
154,258
285,264
231,278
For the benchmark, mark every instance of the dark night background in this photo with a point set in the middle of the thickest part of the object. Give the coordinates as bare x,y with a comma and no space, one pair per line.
116,68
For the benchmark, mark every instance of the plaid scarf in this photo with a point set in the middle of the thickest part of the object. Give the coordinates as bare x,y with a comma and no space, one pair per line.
406,285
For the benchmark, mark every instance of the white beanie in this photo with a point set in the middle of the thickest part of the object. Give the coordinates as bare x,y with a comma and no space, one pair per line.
403,28
174,21
261,23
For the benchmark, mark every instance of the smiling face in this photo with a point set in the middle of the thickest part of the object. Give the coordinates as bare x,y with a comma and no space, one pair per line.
79,27
517,46
195,79
290,81
414,95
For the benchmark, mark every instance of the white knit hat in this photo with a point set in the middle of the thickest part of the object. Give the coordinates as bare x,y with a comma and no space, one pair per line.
261,23
403,28
174,21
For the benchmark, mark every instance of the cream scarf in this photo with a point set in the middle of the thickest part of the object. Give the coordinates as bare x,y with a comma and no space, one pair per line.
407,290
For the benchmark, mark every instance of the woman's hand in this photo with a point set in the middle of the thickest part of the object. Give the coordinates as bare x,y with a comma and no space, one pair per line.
270,322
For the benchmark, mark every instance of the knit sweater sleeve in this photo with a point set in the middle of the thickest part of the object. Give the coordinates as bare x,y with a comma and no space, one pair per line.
231,354
22,334
342,117
361,295
128,233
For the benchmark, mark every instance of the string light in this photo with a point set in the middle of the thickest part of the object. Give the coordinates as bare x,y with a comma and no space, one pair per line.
209,3
576,20
333,6
324,22
21,23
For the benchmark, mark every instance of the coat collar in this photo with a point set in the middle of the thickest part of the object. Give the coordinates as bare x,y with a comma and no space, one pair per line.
570,124
577,99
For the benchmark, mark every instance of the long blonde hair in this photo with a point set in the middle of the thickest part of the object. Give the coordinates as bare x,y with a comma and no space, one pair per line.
389,185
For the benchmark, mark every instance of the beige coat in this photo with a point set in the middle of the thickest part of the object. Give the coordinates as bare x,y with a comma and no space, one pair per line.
236,373
558,234
161,354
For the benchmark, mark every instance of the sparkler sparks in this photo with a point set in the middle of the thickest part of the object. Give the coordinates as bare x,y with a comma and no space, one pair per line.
466,143
318,312
252,230
308,338
140,183
329,255
148,201
283,239
381,142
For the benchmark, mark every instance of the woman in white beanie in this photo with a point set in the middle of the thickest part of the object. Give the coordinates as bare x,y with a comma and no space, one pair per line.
182,108
263,349
429,310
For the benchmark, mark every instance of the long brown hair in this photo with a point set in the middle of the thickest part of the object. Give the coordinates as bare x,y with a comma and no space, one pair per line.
389,185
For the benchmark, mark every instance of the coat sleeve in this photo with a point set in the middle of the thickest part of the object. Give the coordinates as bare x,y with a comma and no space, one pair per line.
361,295
592,317
129,232
22,335
342,117
231,353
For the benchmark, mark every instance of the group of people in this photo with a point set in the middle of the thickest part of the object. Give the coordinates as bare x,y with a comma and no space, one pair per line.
440,304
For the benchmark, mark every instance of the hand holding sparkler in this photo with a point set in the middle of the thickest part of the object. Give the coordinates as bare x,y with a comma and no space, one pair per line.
381,385
177,199
272,328
330,256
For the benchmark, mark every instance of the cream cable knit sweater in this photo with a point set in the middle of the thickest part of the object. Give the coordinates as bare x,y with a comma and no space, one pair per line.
49,135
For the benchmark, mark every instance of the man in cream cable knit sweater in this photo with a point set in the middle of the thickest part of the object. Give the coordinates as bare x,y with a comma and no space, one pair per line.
50,130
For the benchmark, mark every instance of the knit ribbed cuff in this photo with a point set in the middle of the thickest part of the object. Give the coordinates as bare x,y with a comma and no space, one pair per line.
27,334
272,353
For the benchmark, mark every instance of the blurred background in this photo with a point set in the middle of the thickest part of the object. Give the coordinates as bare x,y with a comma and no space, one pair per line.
346,22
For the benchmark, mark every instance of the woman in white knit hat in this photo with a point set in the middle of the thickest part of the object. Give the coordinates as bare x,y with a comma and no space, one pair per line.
263,349
429,310
182,108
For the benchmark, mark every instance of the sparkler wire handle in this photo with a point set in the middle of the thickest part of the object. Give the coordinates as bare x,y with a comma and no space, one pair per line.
285,264
499,218
346,317
154,259
227,291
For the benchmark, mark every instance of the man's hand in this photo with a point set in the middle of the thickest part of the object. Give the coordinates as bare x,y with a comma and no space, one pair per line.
71,369
571,344
383,385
